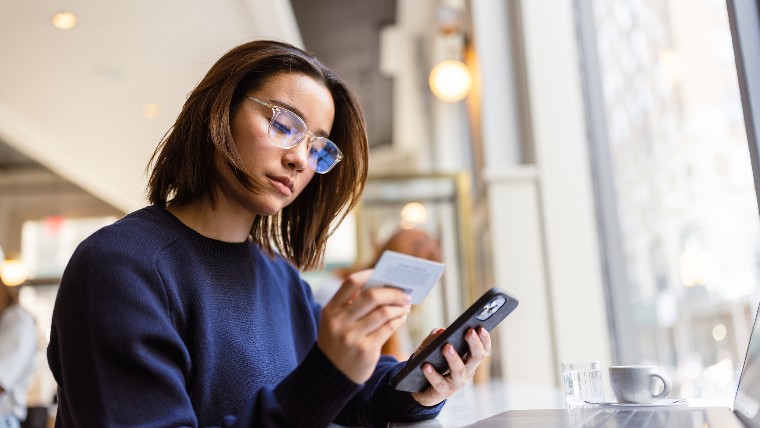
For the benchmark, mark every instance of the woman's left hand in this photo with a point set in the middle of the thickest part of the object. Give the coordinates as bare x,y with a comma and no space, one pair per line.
442,387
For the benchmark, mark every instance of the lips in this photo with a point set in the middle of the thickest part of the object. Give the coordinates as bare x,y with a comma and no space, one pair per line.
283,184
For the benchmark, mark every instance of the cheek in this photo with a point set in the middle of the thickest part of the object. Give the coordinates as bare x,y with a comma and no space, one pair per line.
253,147
250,138
250,153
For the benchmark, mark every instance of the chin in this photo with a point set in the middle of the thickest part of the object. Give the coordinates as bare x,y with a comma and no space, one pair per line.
268,213
270,208
267,210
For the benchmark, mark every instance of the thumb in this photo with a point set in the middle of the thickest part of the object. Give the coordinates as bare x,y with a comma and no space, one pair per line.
430,337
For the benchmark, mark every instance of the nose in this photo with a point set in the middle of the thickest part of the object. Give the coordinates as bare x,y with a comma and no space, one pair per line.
297,157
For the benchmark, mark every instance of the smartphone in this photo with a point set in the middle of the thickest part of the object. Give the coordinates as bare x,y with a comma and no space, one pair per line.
487,312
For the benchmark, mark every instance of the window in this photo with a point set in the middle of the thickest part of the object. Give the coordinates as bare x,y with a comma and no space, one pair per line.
48,244
675,189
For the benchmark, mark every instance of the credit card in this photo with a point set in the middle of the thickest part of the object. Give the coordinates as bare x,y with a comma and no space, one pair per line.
414,275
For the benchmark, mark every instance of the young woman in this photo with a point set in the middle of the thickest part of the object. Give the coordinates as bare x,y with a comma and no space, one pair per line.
191,311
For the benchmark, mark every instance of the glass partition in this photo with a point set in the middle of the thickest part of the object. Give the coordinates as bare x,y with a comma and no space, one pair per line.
675,191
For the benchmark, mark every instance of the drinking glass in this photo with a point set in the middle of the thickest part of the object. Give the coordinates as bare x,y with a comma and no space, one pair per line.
582,383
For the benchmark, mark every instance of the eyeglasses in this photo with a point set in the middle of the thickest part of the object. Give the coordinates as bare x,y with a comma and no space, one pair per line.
287,129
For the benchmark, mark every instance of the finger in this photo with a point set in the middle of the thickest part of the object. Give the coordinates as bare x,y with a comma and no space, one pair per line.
429,339
437,381
457,368
381,335
477,348
371,299
350,288
485,337
379,317
386,296
477,353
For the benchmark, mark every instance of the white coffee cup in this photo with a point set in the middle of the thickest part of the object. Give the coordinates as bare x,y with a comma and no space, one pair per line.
635,384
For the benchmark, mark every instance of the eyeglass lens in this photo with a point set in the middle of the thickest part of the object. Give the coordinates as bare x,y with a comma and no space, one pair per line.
323,155
287,130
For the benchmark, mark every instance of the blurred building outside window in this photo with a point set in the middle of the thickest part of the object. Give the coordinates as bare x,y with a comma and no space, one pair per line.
683,187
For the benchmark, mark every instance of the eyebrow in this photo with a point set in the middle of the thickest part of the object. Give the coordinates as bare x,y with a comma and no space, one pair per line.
294,109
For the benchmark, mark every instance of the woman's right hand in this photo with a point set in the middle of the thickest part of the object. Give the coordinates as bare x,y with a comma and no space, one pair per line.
356,323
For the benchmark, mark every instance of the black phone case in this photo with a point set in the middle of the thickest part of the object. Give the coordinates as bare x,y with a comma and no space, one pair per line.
411,378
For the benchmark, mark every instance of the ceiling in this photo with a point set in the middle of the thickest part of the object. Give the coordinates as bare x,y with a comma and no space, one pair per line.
11,159
346,37
73,100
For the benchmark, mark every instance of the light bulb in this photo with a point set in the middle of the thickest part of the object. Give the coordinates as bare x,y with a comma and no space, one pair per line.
13,272
413,214
64,20
151,110
450,80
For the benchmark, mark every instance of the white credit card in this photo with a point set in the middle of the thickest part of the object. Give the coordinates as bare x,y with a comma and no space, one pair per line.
414,275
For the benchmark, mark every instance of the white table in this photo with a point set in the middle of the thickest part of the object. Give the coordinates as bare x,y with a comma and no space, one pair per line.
477,402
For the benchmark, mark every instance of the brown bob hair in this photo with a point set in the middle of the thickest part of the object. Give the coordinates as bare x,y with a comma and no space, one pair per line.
186,164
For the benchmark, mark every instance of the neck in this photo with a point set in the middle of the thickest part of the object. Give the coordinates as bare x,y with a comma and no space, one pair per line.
226,222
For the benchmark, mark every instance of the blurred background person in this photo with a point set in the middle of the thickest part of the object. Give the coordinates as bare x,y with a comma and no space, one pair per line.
411,241
18,346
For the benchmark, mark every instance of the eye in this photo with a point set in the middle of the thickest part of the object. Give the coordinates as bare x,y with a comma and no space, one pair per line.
286,123
281,127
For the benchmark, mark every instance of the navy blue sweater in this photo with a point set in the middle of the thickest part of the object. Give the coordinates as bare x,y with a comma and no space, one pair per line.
157,325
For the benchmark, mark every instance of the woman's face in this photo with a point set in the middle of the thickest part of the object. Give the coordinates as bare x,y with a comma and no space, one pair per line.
284,173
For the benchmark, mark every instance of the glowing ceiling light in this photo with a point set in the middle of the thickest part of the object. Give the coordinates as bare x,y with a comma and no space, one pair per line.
151,110
64,20
450,80
413,214
719,332
13,271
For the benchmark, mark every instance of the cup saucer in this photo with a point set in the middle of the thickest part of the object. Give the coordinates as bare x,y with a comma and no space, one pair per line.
658,403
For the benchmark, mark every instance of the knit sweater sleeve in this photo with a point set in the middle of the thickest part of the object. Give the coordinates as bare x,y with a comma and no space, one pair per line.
373,404
311,394
378,403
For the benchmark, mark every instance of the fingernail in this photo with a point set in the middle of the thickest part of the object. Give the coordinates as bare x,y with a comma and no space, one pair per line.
450,350
428,369
483,332
473,335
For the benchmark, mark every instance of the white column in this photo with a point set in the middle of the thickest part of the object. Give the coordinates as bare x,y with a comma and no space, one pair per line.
500,118
562,158
526,348
525,339
545,243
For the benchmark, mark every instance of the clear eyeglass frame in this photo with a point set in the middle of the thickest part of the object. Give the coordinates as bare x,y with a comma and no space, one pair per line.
290,130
